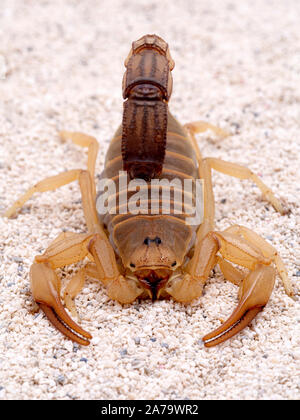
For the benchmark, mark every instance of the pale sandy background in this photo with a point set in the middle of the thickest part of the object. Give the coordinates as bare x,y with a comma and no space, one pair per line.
237,66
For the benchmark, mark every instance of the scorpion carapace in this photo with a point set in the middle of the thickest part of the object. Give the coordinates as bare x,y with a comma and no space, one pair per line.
150,249
147,87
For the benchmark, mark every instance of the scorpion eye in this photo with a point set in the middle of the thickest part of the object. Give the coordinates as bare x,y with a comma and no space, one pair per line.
174,263
157,240
132,265
147,241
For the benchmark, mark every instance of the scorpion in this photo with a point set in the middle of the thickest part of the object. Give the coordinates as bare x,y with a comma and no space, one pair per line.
160,255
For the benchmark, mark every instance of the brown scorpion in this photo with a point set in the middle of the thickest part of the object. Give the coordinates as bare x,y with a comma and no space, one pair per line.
156,253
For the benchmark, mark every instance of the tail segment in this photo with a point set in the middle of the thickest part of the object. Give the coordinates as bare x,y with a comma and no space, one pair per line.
147,87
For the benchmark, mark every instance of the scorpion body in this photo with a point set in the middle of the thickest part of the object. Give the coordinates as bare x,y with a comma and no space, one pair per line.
149,144
146,253
166,238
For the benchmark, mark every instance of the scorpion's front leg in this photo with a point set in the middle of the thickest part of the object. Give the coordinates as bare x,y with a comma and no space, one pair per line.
267,249
189,286
120,288
68,248
255,289
255,292
71,248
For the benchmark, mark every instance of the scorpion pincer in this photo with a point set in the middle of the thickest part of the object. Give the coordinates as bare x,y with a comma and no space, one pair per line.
153,251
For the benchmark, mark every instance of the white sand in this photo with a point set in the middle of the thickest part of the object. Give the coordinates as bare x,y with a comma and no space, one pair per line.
237,66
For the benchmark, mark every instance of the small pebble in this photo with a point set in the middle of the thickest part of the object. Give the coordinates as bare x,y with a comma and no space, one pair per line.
75,347
17,259
60,379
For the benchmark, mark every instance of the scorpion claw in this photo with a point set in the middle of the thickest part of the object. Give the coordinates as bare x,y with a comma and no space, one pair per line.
45,288
256,290
229,328
57,323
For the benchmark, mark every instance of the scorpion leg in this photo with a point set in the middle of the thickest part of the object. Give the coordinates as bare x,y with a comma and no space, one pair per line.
267,249
209,200
189,287
73,288
105,269
48,184
76,284
68,248
255,292
54,182
202,126
45,285
205,174
72,248
84,140
231,273
124,290
255,288
242,172
234,248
